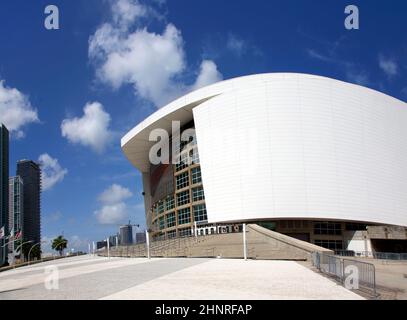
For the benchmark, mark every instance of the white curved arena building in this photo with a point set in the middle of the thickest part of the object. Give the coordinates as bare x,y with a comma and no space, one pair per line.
316,158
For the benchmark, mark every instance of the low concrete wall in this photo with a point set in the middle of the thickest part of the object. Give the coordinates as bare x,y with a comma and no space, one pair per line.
261,244
266,244
387,232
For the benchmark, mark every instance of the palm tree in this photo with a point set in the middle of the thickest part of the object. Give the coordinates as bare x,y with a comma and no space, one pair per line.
59,244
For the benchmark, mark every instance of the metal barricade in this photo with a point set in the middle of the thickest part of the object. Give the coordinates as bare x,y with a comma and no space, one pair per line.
366,273
347,271
370,254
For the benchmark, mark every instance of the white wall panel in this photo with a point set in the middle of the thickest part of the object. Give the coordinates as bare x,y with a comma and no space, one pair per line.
323,149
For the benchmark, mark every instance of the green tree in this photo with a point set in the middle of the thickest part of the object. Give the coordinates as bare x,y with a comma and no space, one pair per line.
59,244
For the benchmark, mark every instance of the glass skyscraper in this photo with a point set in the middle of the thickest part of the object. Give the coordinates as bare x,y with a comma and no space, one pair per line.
16,207
30,173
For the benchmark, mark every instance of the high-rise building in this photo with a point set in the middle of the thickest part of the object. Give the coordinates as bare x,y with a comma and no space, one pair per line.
113,240
16,207
140,237
4,169
30,173
126,235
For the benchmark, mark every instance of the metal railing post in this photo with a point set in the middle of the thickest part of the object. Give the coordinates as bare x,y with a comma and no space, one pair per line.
244,242
148,244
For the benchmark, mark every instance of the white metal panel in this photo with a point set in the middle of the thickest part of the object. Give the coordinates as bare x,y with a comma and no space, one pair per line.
324,150
294,146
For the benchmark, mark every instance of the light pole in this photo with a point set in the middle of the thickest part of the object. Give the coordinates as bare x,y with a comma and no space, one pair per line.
23,244
108,248
32,247
9,242
20,246
59,244
148,244
6,244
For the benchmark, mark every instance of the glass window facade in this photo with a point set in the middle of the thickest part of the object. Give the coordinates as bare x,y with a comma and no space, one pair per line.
330,244
198,194
200,213
170,203
194,156
161,207
185,232
182,180
331,228
171,220
162,223
183,198
182,201
196,175
184,216
171,234
183,162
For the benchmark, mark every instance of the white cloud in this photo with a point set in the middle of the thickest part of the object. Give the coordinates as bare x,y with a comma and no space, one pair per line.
46,245
352,71
15,109
208,74
52,172
75,242
114,210
389,66
329,58
53,217
146,60
91,130
78,243
114,194
112,214
125,12
236,45
360,78
152,63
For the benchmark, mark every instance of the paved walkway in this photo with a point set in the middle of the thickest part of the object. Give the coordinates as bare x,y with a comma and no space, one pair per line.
202,279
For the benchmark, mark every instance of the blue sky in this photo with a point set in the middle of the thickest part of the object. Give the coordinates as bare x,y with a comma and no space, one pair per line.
123,59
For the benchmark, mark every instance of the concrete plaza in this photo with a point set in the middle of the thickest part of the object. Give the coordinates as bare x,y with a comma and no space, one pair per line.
88,277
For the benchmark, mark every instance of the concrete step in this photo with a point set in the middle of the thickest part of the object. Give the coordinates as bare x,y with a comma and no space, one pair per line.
261,244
